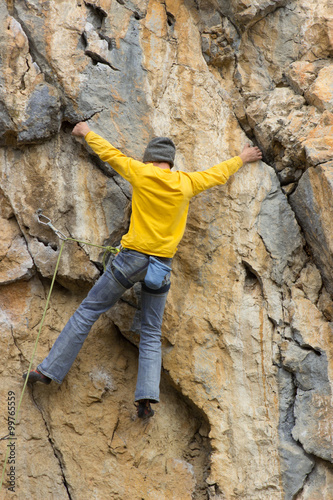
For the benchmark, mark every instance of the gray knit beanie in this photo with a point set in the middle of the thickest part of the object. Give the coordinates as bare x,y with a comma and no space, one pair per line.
160,149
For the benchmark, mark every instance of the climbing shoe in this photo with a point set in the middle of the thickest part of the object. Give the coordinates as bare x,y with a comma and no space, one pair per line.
36,376
144,409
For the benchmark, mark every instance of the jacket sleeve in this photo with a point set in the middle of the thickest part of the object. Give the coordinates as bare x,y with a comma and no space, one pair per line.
219,174
125,166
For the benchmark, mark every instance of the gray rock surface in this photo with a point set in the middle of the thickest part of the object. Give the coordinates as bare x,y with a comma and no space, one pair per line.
313,207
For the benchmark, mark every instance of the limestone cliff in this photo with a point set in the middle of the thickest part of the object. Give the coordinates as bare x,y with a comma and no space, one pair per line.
246,396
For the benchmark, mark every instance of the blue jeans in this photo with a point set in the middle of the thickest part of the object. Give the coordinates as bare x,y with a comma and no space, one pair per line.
126,269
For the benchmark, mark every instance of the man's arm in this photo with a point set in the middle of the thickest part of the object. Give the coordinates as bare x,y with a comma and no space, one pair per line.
219,174
125,166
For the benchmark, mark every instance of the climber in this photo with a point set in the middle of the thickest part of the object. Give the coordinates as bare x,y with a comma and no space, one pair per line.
160,204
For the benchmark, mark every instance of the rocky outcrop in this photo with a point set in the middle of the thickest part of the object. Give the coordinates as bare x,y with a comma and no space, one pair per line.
246,393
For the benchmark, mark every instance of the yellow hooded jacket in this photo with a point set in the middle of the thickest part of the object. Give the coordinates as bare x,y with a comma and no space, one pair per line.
160,198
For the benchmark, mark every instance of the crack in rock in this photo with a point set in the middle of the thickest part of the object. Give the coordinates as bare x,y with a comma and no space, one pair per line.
22,356
56,451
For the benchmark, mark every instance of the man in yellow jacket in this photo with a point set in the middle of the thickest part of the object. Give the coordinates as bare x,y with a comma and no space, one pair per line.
160,204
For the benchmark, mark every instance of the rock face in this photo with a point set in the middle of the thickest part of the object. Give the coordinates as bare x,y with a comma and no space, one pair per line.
246,392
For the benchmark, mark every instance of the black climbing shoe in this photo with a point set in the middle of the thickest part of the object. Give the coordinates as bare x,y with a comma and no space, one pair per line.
144,409
36,376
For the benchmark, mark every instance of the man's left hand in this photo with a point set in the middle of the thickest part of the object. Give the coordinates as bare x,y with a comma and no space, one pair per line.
250,154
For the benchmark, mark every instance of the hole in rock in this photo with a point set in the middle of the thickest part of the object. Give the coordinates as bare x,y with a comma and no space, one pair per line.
47,243
138,16
170,19
82,45
96,15
67,127
250,277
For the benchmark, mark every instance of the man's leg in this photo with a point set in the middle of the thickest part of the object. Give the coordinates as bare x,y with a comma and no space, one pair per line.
104,294
126,269
149,372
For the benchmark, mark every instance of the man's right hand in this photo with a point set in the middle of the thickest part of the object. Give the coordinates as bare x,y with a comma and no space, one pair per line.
250,154
81,129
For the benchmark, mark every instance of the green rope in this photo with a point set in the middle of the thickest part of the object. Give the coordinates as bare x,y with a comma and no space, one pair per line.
107,249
